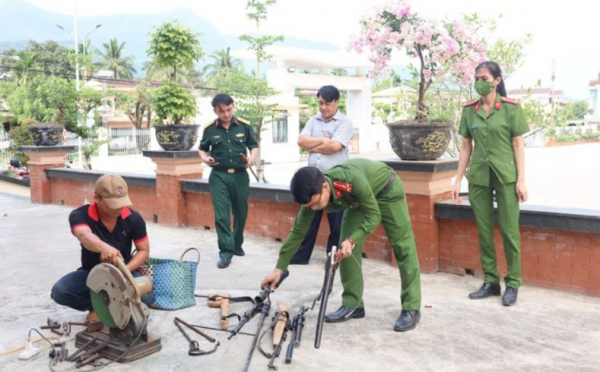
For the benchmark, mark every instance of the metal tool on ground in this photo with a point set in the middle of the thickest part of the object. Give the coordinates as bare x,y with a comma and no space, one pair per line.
330,267
245,160
222,330
279,327
53,326
59,352
194,349
116,299
296,326
90,325
262,297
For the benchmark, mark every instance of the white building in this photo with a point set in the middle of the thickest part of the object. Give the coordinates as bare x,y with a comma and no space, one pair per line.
594,101
543,96
280,137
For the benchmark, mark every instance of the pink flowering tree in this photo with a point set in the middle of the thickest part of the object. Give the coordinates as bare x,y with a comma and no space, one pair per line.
442,48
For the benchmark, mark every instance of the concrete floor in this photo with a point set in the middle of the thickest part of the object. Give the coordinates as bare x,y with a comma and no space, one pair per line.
547,331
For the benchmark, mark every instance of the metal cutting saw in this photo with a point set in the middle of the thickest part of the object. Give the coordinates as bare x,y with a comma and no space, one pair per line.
116,299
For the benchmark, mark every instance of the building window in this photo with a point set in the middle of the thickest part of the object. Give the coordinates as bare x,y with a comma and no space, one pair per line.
280,127
594,99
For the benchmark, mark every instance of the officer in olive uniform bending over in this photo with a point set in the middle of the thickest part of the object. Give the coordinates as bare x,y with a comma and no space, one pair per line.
370,193
224,148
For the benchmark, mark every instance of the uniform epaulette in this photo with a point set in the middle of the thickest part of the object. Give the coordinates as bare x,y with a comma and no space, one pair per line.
243,121
510,100
206,125
470,103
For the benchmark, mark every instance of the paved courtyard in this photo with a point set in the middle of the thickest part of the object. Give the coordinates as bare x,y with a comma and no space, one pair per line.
548,330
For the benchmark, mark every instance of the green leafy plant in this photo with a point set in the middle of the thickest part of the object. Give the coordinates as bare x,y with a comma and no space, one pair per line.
176,46
20,136
173,104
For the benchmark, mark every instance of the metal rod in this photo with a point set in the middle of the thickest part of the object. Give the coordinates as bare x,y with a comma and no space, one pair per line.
222,330
209,338
266,306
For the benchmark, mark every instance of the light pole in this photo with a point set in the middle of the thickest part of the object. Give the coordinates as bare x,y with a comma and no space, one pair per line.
76,60
77,51
85,51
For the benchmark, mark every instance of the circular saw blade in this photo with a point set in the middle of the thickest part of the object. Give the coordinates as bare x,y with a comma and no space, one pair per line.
111,295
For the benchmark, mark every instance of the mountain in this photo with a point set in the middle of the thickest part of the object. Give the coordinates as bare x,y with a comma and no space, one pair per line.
21,21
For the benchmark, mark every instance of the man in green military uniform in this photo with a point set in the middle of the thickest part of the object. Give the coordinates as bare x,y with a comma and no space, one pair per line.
496,125
370,193
224,148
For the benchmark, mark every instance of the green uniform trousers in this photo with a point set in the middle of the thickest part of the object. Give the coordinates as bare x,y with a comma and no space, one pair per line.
397,226
508,218
229,193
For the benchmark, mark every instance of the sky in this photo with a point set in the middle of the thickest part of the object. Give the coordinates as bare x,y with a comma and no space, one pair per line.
563,32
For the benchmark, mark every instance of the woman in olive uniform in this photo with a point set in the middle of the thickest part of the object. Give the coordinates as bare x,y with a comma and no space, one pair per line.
496,166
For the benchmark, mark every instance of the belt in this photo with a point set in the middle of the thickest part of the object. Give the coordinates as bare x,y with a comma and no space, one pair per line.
229,170
388,185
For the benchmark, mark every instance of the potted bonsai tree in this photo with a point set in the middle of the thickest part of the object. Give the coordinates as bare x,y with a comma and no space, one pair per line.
175,47
46,134
442,49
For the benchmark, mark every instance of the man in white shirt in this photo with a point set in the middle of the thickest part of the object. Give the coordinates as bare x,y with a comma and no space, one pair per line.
326,137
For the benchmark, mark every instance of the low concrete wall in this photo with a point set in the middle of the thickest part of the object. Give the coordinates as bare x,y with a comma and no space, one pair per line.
561,248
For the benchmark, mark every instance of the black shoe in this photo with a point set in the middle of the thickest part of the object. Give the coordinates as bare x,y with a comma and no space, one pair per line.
486,290
509,297
345,313
239,252
223,263
298,261
407,320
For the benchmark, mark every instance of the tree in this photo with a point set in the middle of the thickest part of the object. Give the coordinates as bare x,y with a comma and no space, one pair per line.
339,72
252,91
47,99
442,48
393,80
88,100
173,103
257,11
52,58
187,76
576,110
112,59
175,46
509,54
137,105
24,66
222,63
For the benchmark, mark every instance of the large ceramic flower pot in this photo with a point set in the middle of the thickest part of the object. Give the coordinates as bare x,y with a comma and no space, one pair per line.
177,137
418,140
46,135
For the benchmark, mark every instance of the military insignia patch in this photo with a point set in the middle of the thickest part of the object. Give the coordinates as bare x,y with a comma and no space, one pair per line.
240,135
342,186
